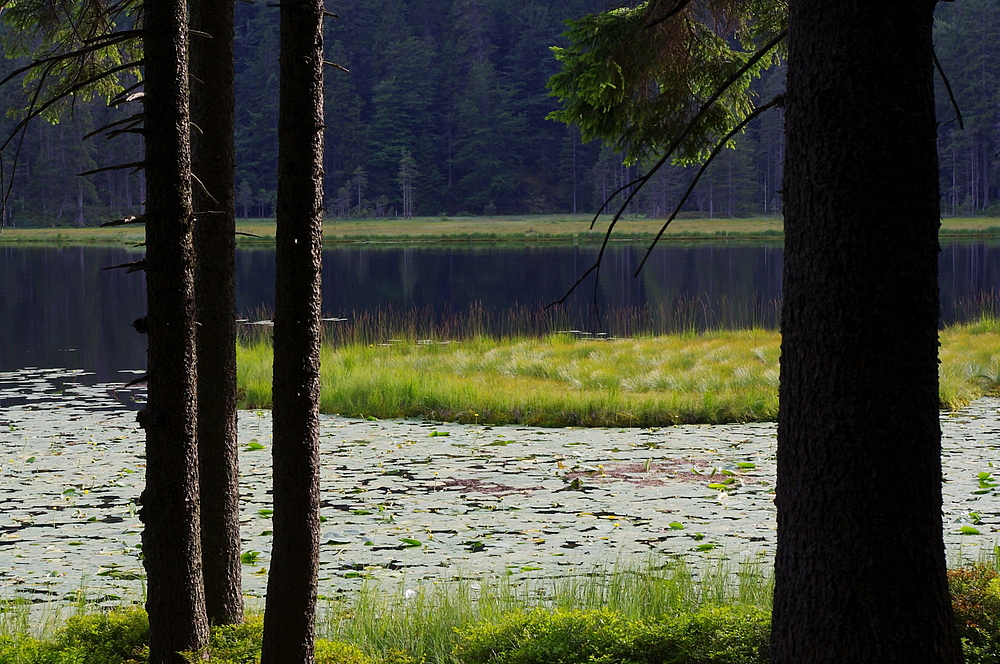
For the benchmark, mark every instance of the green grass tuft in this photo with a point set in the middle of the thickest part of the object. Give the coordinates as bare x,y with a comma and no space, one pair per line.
563,380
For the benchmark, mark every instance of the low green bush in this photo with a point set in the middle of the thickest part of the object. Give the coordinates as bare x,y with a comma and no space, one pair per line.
111,637
721,635
975,599
338,652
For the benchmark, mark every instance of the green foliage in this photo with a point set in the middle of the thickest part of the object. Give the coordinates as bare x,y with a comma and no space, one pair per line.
637,85
720,635
76,48
556,380
338,652
112,637
975,593
233,644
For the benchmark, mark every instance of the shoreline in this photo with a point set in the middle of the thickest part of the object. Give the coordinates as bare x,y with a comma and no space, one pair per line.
474,230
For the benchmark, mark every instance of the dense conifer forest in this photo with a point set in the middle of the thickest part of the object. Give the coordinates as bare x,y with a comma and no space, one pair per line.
443,112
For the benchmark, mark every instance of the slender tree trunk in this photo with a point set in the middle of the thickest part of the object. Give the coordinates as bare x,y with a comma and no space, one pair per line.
214,162
170,540
291,588
860,567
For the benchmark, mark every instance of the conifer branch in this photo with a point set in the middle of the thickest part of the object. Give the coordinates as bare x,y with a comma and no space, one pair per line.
114,38
640,181
125,95
34,112
117,167
131,219
136,119
947,86
677,8
134,266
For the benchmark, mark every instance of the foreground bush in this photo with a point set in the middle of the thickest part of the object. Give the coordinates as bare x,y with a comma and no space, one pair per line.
975,598
726,635
112,637
698,633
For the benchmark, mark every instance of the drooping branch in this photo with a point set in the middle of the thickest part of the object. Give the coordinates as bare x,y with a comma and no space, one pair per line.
639,182
37,111
675,9
137,165
689,127
126,95
203,188
131,219
777,101
947,86
134,266
132,120
111,40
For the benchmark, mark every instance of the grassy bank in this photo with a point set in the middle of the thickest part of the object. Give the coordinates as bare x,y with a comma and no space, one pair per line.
562,380
644,614
524,228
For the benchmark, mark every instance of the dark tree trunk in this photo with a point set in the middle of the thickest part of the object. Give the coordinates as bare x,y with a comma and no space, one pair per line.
213,162
170,539
291,589
860,568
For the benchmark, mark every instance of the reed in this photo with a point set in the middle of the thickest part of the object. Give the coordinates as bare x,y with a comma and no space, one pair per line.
425,619
460,368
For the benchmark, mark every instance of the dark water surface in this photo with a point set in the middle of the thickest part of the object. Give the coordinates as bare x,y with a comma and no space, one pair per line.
59,309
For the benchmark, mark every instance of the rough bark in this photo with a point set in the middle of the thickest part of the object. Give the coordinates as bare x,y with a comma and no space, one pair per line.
170,538
860,567
213,162
291,590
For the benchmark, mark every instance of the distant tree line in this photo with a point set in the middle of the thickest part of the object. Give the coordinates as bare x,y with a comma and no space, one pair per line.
444,113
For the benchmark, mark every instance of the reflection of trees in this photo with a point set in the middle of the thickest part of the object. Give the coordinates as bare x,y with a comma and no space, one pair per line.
56,299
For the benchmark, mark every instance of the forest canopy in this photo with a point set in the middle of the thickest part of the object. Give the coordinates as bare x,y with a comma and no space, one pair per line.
444,112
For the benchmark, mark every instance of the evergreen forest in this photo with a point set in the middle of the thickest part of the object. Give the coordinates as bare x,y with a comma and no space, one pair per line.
443,112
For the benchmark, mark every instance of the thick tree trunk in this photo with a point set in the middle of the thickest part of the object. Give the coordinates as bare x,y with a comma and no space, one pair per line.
860,568
291,589
213,161
170,540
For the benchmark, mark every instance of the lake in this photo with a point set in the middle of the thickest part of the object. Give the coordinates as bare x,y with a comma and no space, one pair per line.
416,501
62,310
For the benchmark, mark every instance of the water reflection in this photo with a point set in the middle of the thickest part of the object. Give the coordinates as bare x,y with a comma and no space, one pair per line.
60,309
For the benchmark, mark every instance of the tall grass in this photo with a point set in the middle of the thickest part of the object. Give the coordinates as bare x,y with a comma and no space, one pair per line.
557,380
457,372
424,619
970,361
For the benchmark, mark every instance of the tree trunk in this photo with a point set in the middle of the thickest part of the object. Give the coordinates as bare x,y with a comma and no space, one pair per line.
170,539
213,161
291,590
860,567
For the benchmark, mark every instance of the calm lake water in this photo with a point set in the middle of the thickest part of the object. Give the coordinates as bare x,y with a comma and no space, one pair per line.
61,310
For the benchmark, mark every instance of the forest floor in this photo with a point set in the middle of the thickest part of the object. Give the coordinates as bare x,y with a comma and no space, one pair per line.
521,228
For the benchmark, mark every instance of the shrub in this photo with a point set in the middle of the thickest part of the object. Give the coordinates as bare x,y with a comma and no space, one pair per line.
233,644
120,636
725,635
975,599
338,652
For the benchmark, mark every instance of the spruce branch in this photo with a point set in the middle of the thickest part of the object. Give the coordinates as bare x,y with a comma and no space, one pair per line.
640,181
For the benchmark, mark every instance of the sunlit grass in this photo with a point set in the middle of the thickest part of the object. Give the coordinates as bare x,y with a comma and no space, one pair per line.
557,380
424,619
471,229
562,380
970,361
